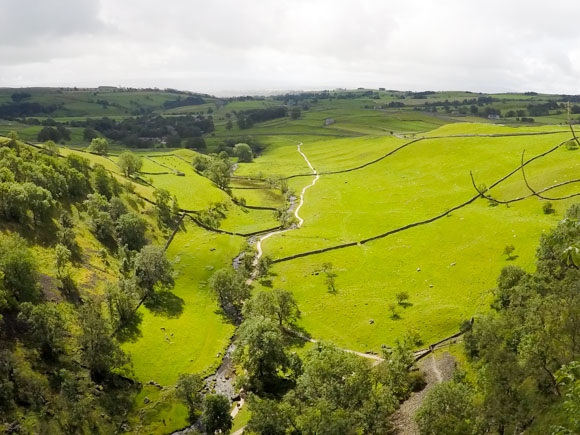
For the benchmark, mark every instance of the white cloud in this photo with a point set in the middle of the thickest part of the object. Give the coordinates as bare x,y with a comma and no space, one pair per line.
259,44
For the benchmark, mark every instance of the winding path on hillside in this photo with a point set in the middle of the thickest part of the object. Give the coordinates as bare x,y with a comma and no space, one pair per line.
435,371
296,210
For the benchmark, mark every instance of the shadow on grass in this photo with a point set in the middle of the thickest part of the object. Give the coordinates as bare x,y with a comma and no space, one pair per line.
267,283
295,336
405,304
164,303
131,331
512,257
232,316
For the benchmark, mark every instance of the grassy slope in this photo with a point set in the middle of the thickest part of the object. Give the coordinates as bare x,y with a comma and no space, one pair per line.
199,331
402,189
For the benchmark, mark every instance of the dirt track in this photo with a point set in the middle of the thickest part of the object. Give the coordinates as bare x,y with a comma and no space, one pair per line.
436,369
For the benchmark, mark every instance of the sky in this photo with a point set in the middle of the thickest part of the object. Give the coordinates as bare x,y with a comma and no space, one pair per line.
229,47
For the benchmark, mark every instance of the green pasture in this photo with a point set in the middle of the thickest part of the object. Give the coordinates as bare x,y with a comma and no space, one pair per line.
185,332
418,182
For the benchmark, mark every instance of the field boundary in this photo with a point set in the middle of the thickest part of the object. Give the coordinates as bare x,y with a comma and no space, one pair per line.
422,222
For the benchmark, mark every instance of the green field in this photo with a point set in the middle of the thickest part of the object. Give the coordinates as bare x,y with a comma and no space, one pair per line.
381,167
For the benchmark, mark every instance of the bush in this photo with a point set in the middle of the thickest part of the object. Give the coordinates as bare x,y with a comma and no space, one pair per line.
547,208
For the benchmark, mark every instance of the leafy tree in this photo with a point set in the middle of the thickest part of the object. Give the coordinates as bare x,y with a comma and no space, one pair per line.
508,251
39,201
89,134
261,353
295,113
49,134
269,416
13,141
116,208
548,208
569,377
130,229
100,352
122,299
188,390
219,171
338,393
50,147
102,182
243,152
331,275
166,207
278,305
447,408
152,269
509,277
19,270
100,220
46,327
196,143
230,288
76,404
229,125
402,298
130,163
216,414
99,145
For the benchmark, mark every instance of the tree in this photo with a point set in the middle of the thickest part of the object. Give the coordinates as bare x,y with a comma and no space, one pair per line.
229,125
216,414
100,352
130,163
508,251
230,289
19,270
188,390
152,269
402,298
330,277
100,221
269,417
548,208
122,299
13,141
39,201
219,170
278,305
46,327
99,145
510,276
447,408
49,134
569,377
295,113
196,143
261,353
50,147
62,260
89,134
166,207
243,152
102,181
130,230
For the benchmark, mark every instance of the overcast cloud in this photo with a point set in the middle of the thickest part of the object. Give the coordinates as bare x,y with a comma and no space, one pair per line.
232,46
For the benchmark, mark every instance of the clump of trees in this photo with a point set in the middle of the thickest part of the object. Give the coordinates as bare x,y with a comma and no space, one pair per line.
522,352
334,392
214,409
231,290
61,364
